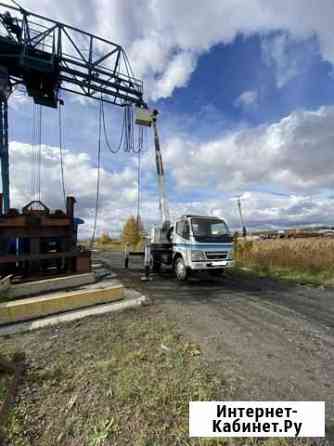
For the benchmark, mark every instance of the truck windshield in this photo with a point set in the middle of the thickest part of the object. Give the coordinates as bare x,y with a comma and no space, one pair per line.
210,229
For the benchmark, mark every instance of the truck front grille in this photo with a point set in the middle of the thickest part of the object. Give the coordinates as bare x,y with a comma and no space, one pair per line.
216,255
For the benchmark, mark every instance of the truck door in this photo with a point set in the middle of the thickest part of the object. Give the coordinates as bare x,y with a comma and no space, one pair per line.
182,239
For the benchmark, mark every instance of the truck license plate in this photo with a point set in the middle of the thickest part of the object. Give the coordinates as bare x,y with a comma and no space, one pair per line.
223,263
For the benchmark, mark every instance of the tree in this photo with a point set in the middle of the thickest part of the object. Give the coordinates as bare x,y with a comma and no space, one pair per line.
104,239
131,232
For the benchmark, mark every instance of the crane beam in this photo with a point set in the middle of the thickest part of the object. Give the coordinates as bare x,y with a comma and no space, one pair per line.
47,56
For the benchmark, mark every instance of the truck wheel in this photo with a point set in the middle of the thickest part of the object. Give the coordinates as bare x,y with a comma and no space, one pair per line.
180,269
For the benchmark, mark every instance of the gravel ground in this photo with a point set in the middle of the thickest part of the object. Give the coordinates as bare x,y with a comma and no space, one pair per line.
274,340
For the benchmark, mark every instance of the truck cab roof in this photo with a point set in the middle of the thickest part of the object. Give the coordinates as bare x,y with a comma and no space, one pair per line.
201,216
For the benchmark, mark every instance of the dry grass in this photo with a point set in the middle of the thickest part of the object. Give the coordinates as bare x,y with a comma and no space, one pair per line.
114,380
310,260
118,245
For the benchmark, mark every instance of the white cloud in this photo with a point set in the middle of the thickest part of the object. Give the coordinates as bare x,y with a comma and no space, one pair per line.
247,99
265,210
176,75
287,56
155,31
118,190
197,168
293,154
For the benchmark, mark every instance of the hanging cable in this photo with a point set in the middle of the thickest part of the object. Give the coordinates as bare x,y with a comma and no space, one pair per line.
33,148
105,133
129,129
140,141
97,199
39,159
127,138
60,128
139,188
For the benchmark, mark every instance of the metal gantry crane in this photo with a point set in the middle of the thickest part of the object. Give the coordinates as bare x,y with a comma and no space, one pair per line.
47,56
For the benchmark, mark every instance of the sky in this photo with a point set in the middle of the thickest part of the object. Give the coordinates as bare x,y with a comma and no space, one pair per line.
246,101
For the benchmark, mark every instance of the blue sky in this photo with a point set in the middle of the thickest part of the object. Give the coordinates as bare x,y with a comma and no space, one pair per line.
246,108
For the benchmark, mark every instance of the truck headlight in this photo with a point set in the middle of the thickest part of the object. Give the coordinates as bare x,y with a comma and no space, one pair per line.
197,256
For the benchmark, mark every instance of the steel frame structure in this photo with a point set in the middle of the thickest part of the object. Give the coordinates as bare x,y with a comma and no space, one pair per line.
71,59
47,56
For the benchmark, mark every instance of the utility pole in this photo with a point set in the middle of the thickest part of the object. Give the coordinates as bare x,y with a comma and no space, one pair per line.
244,230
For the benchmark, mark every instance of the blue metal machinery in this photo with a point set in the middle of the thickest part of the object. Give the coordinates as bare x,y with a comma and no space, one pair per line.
47,56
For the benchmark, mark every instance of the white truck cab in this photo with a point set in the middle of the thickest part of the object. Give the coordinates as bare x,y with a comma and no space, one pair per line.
201,243
192,243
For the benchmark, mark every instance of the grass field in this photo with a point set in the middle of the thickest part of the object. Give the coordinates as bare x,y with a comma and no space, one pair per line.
119,379
309,260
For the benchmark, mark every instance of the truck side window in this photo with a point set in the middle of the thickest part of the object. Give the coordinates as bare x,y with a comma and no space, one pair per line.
186,230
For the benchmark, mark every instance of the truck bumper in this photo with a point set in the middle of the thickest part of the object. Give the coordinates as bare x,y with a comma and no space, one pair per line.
205,266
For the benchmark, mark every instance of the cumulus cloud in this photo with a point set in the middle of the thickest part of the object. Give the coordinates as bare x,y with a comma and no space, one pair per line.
118,191
287,56
119,194
177,74
165,38
276,53
293,154
247,99
265,210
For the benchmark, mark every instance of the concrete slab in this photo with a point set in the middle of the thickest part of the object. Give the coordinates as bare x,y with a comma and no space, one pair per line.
47,285
136,300
35,307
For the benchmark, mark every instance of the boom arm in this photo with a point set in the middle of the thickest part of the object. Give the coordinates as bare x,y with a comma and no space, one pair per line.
164,210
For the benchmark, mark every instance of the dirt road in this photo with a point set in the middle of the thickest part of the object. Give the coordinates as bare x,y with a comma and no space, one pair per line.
274,341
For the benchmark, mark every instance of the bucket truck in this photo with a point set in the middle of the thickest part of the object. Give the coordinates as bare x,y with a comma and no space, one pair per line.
190,243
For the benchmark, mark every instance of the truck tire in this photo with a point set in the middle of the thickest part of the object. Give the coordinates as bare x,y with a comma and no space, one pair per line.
180,269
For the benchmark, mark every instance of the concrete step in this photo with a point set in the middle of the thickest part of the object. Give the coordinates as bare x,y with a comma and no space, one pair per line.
47,285
47,304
